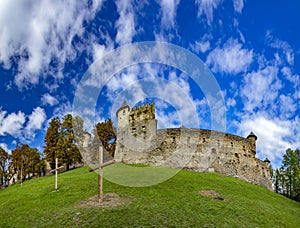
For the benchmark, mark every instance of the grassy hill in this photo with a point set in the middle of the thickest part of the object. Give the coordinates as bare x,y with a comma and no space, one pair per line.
173,203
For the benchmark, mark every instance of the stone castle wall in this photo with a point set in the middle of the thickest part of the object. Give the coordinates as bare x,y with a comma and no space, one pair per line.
192,149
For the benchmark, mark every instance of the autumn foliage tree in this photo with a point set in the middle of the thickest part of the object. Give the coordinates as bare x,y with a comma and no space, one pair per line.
25,162
51,140
107,135
62,140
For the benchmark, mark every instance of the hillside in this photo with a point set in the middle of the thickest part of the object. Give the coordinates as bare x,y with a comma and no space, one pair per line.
175,202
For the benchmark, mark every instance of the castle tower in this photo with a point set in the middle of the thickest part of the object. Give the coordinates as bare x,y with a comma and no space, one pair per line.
137,128
122,114
142,122
252,138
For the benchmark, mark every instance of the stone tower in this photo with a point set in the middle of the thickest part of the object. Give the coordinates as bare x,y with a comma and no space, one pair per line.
137,129
122,114
142,121
252,138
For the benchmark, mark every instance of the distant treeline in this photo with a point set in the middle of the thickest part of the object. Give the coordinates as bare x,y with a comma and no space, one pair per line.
286,179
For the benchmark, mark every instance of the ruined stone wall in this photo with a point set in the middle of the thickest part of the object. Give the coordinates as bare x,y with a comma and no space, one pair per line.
192,149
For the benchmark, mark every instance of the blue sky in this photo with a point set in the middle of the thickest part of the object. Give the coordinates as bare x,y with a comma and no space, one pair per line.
251,47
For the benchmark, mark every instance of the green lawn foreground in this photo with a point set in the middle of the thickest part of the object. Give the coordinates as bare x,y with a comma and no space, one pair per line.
173,203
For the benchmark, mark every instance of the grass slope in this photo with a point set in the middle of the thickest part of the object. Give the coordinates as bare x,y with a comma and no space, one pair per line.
173,203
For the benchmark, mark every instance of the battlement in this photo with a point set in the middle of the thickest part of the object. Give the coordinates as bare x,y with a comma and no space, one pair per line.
146,111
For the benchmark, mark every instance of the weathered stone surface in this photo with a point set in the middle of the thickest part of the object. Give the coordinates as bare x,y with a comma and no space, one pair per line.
200,150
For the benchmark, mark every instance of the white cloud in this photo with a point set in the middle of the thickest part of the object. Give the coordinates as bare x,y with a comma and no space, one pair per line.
21,126
274,135
238,5
5,147
138,83
36,120
12,123
203,45
230,102
39,33
207,7
295,79
62,109
287,106
125,24
286,51
168,8
231,58
261,88
47,99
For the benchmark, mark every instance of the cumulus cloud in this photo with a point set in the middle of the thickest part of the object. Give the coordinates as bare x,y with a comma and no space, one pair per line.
19,125
274,135
39,33
125,24
36,120
207,7
47,99
261,88
202,45
12,123
231,58
137,83
287,106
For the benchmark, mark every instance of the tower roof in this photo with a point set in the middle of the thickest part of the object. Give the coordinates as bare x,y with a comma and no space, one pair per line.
252,135
124,106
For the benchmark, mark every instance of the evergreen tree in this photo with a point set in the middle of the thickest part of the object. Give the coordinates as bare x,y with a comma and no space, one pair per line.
292,172
51,140
277,181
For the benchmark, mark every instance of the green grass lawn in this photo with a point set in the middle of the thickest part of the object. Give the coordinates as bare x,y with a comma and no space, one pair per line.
172,203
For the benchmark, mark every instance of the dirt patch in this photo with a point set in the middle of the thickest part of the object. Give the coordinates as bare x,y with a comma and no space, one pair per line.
211,193
110,200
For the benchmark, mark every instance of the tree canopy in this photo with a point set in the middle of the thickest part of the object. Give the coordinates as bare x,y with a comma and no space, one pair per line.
286,179
107,135
62,141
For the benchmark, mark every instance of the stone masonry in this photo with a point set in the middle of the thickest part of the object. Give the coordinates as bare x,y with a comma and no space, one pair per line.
140,142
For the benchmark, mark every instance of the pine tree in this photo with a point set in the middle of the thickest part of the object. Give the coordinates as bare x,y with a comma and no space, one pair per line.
51,140
291,168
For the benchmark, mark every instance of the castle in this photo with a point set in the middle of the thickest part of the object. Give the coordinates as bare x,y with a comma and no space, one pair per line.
139,141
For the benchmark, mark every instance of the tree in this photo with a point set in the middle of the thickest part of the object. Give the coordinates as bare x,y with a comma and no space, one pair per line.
4,168
67,150
292,172
107,135
51,140
77,125
25,162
